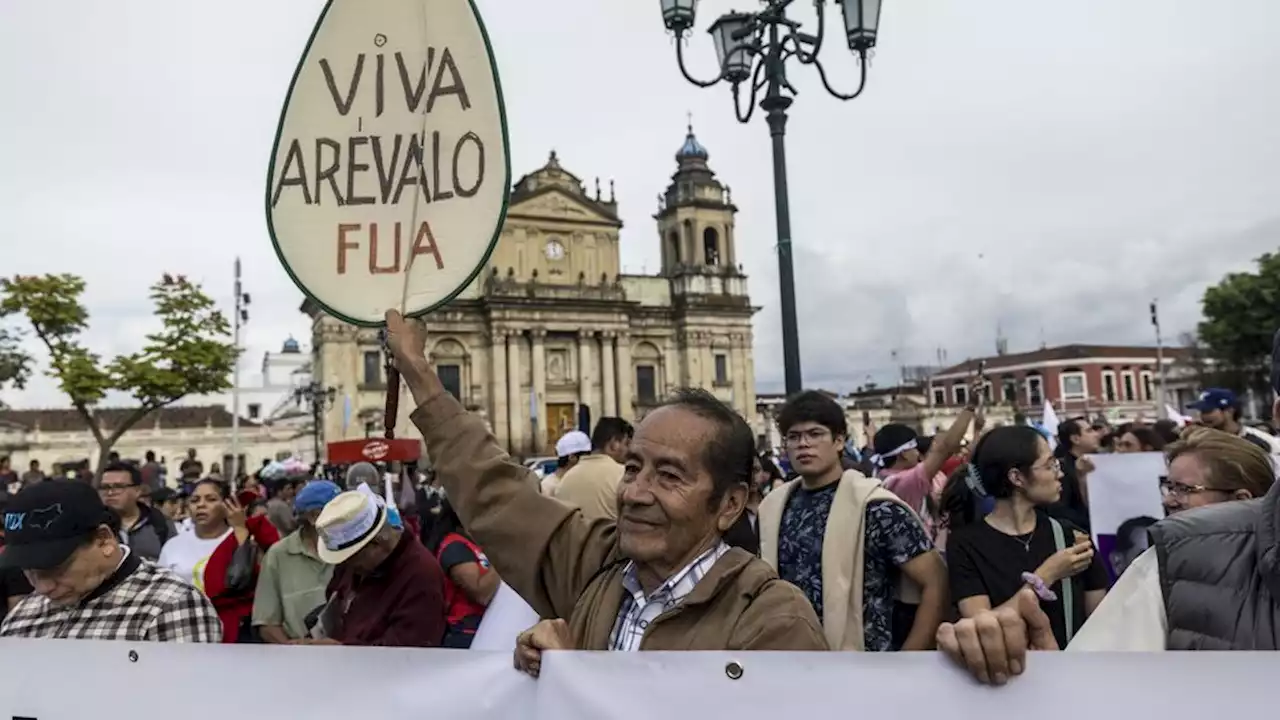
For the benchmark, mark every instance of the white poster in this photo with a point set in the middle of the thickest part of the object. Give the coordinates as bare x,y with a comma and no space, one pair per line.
1124,500
390,174
507,616
76,679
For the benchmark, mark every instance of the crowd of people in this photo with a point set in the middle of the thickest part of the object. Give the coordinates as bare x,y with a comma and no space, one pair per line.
675,534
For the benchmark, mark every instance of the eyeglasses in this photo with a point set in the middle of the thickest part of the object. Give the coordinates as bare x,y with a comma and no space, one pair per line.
111,489
1179,490
1054,465
813,435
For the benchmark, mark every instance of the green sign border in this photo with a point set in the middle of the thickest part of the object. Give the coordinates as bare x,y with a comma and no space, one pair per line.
506,181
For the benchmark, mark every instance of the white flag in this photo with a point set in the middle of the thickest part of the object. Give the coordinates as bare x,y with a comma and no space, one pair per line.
1050,422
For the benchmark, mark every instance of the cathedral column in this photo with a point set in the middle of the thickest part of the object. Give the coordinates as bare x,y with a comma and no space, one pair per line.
539,403
606,364
737,379
672,378
498,383
516,439
708,361
584,376
625,376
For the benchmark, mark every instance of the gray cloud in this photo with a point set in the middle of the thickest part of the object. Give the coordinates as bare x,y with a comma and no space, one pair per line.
1011,162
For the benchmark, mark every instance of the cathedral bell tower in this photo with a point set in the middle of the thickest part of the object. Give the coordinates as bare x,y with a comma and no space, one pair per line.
695,224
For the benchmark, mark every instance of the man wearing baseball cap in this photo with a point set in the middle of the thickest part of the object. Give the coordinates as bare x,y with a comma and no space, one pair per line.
87,584
293,579
1219,409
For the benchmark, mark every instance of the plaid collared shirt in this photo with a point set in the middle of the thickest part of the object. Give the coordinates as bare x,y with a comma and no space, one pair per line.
147,604
639,610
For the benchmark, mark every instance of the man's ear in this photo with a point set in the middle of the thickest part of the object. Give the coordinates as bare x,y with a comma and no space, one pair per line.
1242,494
731,506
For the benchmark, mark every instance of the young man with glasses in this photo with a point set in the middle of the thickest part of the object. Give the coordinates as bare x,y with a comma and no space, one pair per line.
144,528
857,551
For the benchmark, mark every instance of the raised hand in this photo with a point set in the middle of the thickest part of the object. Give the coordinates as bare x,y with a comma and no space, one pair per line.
406,339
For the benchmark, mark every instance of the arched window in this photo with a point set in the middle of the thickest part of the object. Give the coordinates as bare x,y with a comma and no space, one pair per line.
711,246
673,247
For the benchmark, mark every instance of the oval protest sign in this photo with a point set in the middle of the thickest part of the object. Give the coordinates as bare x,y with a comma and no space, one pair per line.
390,175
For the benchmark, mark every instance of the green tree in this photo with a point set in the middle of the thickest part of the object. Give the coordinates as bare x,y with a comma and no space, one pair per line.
1241,314
190,355
15,364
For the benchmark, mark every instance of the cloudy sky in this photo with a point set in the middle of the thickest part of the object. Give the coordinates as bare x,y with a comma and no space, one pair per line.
1047,167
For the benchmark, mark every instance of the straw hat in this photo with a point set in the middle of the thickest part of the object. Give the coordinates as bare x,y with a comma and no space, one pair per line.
348,523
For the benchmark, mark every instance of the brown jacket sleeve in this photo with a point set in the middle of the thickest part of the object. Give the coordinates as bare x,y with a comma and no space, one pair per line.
545,550
779,618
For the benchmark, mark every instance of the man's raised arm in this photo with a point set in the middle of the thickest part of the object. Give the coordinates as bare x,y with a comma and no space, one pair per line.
545,550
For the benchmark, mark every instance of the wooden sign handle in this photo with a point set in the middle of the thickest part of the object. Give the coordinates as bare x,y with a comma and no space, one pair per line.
392,407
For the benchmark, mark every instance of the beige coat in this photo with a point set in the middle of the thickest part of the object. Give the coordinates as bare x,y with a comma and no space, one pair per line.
843,554
592,486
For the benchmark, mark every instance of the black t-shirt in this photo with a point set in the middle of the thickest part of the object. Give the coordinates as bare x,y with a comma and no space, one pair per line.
981,560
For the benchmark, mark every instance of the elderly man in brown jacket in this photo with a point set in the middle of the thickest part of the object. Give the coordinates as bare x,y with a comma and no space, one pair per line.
658,578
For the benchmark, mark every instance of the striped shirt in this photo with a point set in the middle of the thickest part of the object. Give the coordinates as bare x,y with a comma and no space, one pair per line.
639,610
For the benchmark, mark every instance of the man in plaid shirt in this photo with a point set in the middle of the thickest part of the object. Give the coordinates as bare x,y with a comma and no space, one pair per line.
87,584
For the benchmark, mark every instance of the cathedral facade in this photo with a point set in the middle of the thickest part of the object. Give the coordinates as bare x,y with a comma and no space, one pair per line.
551,336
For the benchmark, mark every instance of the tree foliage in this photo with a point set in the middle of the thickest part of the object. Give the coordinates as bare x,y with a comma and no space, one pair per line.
15,363
1241,314
191,354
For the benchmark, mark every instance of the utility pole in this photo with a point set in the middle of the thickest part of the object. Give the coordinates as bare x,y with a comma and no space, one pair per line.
241,317
1161,411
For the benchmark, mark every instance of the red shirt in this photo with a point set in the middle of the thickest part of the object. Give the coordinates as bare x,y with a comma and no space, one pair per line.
236,608
399,604
462,613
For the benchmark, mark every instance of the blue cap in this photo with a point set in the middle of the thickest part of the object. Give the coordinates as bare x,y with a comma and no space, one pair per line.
315,495
1214,399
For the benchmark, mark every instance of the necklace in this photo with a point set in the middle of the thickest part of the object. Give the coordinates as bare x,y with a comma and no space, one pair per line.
1023,539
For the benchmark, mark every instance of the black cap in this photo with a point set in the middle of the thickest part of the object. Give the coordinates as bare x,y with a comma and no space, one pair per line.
46,522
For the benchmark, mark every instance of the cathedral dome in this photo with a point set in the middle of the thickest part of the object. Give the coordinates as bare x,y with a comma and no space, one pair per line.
291,347
692,149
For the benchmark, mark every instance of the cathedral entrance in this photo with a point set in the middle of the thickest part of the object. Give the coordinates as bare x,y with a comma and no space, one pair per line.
561,418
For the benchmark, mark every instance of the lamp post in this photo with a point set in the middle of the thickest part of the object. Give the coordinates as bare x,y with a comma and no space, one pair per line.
320,398
753,50
241,318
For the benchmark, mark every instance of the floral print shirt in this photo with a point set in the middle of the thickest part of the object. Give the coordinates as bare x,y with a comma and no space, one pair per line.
894,536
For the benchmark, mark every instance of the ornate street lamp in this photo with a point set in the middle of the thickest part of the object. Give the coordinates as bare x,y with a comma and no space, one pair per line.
752,50
319,398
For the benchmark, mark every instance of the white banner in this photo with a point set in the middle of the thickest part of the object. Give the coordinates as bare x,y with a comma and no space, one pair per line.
1124,500
77,679
80,679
